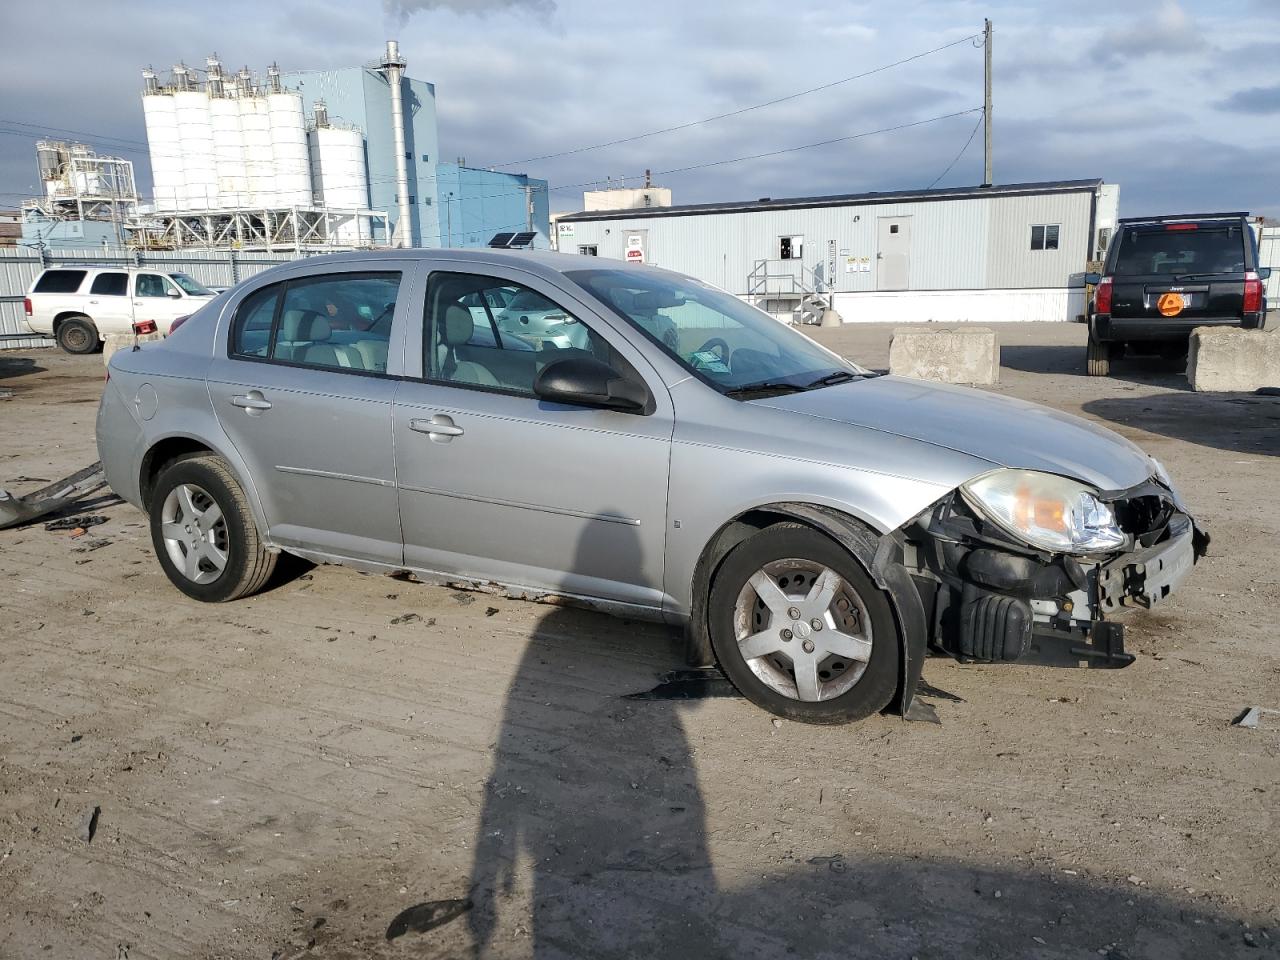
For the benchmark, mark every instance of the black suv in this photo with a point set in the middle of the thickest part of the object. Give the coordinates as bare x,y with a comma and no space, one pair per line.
1165,276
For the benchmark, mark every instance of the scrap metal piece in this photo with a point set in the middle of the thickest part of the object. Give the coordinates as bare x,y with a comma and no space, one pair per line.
16,511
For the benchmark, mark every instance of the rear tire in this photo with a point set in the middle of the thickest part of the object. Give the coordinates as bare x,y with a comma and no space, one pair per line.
1100,354
204,534
78,335
842,671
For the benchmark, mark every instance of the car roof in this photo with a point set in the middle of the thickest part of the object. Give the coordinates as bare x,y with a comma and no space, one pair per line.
545,263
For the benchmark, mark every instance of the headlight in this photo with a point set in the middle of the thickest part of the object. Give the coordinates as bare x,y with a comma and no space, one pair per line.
1046,511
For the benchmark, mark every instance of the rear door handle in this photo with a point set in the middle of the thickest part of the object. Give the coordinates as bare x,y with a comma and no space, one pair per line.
440,426
251,401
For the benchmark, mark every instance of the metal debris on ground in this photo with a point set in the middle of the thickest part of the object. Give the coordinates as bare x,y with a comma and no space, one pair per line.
81,523
695,684
426,916
15,511
407,618
1251,717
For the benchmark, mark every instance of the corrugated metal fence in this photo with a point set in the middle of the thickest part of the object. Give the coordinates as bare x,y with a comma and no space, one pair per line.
19,267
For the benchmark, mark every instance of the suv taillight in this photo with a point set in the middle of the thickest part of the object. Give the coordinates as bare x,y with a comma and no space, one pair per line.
1102,296
143,327
1252,293
26,305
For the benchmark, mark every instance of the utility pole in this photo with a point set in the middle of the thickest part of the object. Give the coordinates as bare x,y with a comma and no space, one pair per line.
986,104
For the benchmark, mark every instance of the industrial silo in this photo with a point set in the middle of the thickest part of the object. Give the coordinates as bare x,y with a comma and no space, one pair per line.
160,113
259,161
338,172
288,144
195,138
228,144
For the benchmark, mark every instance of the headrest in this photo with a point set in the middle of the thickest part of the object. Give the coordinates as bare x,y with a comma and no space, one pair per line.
296,325
458,325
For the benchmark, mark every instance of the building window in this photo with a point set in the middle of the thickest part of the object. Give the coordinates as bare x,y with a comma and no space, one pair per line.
791,248
1044,236
425,158
588,251
412,200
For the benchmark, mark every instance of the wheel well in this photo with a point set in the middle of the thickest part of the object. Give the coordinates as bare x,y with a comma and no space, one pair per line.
713,554
66,315
165,452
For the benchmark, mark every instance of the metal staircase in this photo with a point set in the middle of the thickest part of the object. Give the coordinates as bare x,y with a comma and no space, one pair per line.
789,290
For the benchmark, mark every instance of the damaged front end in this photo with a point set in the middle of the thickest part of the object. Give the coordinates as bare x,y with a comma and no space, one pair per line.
991,596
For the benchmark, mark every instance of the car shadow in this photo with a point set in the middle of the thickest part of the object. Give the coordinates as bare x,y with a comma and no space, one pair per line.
594,841
1069,359
1240,422
18,366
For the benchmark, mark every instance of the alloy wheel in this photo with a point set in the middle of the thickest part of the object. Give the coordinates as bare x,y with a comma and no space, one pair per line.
195,533
803,629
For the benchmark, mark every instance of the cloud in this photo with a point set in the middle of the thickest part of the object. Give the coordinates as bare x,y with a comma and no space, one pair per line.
1258,100
401,10
1170,32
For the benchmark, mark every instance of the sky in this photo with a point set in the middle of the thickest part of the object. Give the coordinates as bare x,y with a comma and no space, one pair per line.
1178,101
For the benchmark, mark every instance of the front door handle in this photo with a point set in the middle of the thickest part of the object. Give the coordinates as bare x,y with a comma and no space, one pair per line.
253,401
440,427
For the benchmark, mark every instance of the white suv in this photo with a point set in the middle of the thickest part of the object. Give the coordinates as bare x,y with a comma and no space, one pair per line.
80,306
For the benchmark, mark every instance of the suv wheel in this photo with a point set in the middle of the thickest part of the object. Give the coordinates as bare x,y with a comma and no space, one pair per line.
801,630
78,335
1100,355
204,534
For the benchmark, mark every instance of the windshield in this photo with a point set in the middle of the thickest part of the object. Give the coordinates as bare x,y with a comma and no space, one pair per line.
1180,248
714,335
191,287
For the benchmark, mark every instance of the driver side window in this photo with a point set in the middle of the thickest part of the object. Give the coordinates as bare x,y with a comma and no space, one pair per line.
494,334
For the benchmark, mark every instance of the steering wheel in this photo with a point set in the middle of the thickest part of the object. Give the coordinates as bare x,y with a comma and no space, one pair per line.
715,343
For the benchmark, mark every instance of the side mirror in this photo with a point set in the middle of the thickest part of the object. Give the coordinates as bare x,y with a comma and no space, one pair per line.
587,382
174,294
1264,273
1093,279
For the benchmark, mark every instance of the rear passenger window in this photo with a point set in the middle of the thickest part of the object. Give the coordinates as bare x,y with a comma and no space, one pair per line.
339,322
59,281
487,332
110,285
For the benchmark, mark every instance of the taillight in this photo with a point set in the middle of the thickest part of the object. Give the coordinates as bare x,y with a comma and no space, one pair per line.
178,321
26,305
1102,296
1252,293
144,326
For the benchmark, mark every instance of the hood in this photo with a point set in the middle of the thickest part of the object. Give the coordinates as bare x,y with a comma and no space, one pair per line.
1002,430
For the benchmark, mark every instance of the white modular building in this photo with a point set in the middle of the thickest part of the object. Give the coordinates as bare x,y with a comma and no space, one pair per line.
996,253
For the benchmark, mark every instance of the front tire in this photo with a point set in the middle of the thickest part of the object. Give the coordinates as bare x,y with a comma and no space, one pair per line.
801,630
203,532
78,335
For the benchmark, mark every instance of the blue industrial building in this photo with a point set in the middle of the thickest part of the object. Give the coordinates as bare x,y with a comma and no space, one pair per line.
450,204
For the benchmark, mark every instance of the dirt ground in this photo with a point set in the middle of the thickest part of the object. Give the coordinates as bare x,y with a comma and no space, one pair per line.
287,775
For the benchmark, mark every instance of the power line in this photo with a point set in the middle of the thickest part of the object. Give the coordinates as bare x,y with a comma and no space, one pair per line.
742,110
956,158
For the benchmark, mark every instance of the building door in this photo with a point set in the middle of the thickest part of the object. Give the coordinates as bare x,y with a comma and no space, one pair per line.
893,258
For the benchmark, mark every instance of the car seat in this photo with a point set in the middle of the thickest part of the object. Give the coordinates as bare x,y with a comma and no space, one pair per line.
304,336
456,331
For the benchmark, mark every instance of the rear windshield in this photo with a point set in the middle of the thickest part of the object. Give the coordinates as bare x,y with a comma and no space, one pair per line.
59,281
1165,251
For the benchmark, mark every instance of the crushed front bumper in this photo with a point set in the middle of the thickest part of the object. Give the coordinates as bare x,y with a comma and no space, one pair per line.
991,604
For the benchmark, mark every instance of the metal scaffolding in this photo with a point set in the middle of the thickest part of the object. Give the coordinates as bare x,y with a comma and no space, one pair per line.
270,230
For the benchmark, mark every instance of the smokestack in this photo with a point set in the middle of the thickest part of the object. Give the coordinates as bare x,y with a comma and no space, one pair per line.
394,66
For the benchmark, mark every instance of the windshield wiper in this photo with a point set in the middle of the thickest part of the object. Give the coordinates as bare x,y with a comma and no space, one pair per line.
765,386
1182,277
839,376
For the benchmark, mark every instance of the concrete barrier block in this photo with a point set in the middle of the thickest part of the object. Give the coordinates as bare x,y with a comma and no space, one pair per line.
1228,358
947,354
124,341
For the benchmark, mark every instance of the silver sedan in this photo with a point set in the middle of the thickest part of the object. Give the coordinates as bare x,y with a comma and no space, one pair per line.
665,452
